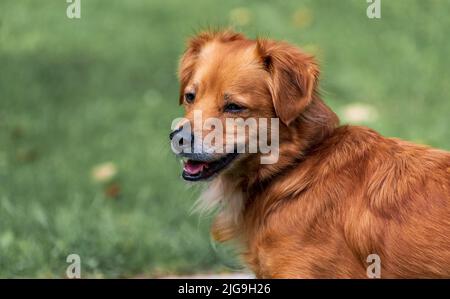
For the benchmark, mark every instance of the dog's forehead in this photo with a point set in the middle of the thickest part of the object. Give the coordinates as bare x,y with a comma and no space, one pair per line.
218,62
240,50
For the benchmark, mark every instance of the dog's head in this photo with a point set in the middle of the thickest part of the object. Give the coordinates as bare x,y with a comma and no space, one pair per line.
224,77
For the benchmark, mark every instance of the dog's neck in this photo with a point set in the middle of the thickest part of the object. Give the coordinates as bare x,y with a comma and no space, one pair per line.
232,192
297,140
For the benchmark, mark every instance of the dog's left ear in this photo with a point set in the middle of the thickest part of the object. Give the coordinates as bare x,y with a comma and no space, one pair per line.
293,77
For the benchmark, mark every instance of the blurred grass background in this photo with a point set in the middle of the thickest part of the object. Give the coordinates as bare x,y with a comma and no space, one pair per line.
76,94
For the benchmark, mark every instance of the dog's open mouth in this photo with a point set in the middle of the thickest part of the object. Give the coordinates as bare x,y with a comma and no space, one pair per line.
201,170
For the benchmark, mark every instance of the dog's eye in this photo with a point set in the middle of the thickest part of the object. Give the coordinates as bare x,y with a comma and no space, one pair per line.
189,97
232,107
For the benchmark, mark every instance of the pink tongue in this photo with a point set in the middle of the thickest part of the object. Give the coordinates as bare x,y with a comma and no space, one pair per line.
194,168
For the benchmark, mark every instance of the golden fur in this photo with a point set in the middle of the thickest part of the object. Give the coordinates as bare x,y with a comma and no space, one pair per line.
337,193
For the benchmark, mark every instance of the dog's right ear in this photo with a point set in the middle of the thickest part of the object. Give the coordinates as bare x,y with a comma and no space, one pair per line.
187,62
293,77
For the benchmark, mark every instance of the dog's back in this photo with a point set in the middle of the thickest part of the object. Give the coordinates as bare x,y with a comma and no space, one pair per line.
356,194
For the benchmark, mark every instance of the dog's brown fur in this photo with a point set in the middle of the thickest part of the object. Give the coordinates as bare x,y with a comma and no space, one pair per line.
337,194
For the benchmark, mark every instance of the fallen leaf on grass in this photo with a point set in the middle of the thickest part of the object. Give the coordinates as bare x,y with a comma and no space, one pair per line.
113,190
104,172
359,113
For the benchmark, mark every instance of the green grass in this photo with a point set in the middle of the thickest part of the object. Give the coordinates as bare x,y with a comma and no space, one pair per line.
77,93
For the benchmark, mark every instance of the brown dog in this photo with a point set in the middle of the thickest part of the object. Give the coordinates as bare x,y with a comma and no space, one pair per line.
337,193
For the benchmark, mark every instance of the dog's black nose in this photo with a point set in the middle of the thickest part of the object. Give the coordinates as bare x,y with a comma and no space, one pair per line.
182,138
174,132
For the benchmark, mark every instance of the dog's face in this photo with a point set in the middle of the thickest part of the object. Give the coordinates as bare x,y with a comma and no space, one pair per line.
228,78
